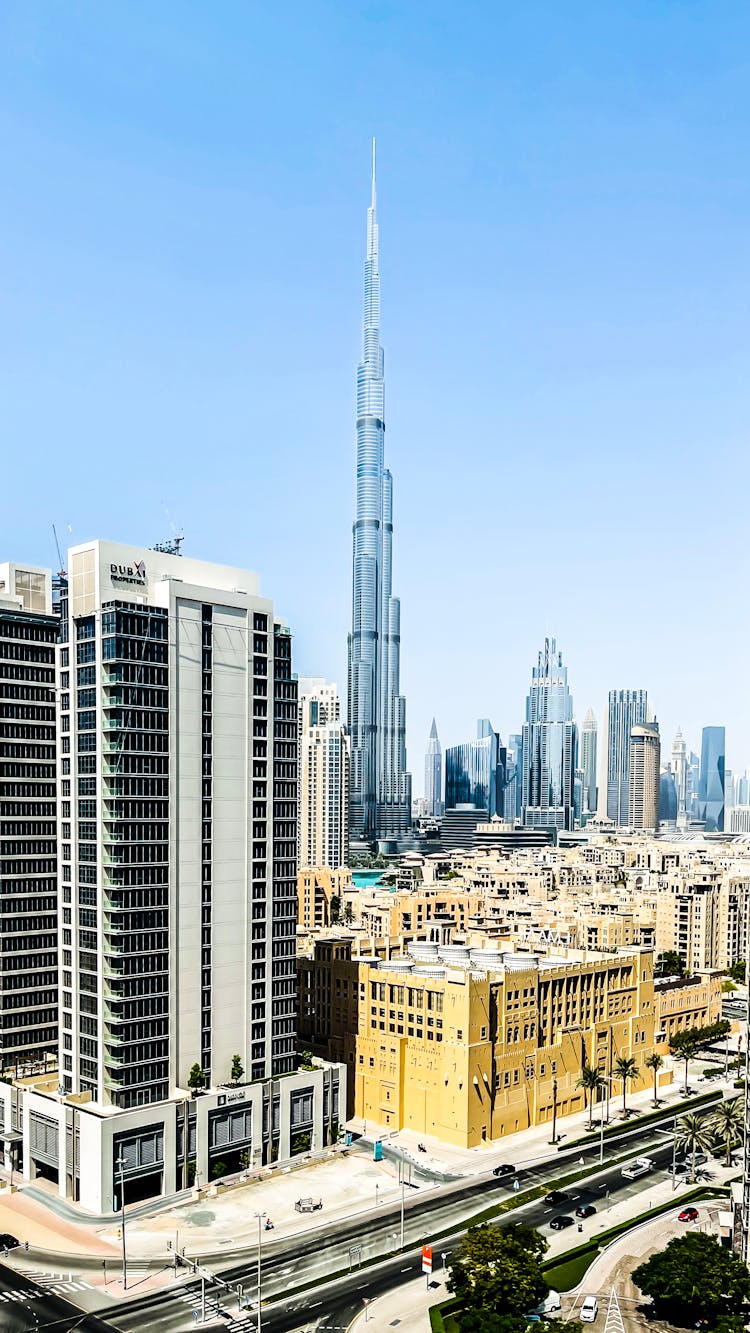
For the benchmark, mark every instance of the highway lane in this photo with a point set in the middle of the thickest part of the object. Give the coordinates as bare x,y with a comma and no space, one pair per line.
25,1306
287,1264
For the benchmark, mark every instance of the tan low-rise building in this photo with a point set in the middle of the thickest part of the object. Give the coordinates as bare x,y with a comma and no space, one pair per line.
317,889
469,1045
685,1002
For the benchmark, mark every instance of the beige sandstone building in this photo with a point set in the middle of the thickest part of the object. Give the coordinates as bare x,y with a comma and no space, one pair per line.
473,1044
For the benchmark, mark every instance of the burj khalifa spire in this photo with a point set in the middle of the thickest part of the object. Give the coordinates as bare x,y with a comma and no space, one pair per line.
380,785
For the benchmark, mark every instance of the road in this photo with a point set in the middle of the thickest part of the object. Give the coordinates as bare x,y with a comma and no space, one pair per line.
24,1305
312,1258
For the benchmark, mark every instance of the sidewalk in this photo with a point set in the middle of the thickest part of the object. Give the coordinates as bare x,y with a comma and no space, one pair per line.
529,1145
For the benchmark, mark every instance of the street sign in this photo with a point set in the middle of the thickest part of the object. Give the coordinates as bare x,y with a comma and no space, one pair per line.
426,1258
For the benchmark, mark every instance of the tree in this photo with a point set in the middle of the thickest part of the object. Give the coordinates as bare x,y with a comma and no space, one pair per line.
738,970
728,986
335,908
687,1051
694,1278
195,1077
654,1062
694,1134
670,964
626,1070
590,1080
348,913
726,1122
237,1069
495,1269
685,1045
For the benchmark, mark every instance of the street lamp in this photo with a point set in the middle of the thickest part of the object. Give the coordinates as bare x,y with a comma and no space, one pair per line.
120,1164
260,1223
553,1140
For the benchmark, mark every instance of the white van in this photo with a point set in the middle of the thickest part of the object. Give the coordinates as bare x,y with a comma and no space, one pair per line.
549,1305
589,1310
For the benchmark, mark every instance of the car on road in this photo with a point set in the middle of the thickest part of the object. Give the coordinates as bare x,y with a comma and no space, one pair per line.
560,1223
556,1196
640,1167
589,1310
688,1215
585,1210
8,1242
504,1169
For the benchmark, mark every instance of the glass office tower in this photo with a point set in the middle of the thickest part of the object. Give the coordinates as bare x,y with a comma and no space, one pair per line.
549,744
627,709
711,791
475,772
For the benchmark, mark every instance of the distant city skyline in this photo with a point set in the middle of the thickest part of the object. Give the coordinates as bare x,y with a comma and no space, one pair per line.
183,263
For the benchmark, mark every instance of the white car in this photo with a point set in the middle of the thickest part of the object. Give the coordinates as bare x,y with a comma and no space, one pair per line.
640,1167
589,1310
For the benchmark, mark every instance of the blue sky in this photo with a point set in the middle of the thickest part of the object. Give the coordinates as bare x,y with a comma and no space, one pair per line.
564,205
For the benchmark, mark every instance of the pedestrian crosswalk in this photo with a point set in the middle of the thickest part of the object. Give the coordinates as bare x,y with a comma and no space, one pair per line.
57,1283
217,1307
23,1296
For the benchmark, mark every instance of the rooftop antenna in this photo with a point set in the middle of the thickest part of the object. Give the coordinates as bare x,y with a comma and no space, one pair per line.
172,545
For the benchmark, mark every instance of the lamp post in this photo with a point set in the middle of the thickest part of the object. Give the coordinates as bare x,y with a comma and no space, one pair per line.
260,1224
554,1112
604,1084
120,1164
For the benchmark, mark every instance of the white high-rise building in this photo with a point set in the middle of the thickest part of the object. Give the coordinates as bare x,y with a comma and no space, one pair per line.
679,770
177,745
433,774
324,777
589,734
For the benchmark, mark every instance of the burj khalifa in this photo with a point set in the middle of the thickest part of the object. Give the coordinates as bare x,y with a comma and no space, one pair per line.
380,805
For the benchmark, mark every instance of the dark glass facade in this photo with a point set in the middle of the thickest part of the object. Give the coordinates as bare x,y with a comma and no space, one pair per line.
711,790
28,838
475,772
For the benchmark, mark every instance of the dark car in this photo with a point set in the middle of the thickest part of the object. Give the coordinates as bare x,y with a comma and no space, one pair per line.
556,1196
688,1215
504,1169
560,1223
585,1210
8,1242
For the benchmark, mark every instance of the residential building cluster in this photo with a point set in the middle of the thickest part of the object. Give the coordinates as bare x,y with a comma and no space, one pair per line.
464,986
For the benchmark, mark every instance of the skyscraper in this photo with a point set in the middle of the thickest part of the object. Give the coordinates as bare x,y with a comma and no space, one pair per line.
679,772
711,792
588,761
433,774
549,744
627,709
380,784
643,776
177,845
475,772
28,828
323,827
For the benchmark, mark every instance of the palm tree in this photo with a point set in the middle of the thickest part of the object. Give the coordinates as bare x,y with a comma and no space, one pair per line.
687,1051
654,1063
627,1071
726,1123
590,1080
694,1134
